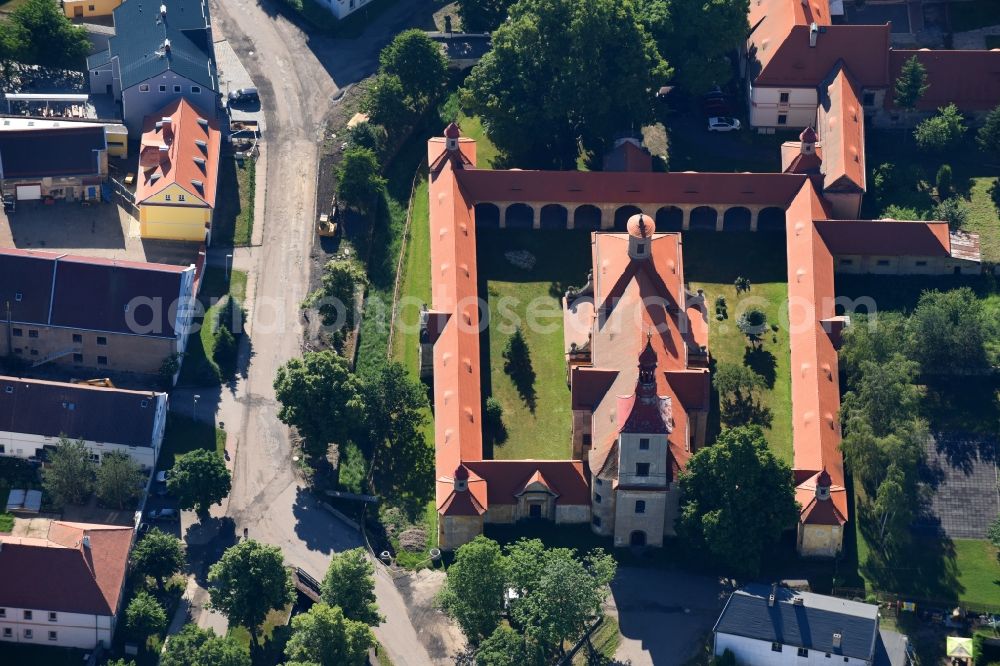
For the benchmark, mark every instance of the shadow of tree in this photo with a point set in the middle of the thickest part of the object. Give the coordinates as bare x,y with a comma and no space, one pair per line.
763,363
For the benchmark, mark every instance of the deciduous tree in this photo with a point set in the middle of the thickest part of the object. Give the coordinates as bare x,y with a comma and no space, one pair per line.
950,330
193,646
350,584
941,132
248,582
324,636
119,479
199,479
562,73
159,555
69,476
145,616
740,389
506,647
883,394
474,593
359,179
335,299
952,211
737,500
320,397
482,15
419,64
701,64
911,84
47,37
988,136
384,100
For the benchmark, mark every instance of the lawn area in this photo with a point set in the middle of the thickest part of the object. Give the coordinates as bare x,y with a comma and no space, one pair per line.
562,261
973,14
712,262
911,184
201,366
233,220
185,434
272,636
605,641
416,283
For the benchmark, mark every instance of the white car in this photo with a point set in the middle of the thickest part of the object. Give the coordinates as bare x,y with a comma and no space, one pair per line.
169,515
161,477
723,124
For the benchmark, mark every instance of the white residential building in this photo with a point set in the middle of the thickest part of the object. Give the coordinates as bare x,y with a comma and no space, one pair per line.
63,587
34,414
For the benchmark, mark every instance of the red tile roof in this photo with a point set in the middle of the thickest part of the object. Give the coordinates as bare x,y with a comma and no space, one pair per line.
192,140
864,49
506,479
842,129
885,237
59,573
771,21
970,79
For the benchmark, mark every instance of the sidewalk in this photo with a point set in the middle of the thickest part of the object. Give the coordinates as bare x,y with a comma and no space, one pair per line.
192,605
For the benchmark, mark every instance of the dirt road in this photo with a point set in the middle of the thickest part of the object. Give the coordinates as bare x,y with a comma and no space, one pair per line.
299,77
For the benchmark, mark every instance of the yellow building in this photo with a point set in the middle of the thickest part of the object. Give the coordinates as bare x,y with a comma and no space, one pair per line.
179,165
83,8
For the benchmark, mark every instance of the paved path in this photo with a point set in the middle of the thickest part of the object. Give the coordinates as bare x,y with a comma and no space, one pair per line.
299,76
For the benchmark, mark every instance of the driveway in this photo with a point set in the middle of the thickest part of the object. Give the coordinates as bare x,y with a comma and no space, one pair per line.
664,616
299,76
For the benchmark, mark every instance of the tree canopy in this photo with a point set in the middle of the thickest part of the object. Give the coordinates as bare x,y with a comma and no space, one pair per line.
562,73
68,477
193,646
988,135
350,584
482,15
942,131
740,389
199,479
359,179
395,413
384,100
506,647
911,84
477,584
737,498
248,582
38,33
320,397
145,616
324,636
949,329
119,480
159,555
418,63
335,299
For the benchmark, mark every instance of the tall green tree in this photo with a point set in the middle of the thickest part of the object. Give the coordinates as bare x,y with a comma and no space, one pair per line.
395,414
740,390
199,479
324,636
350,584
320,397
506,647
873,338
159,555
384,100
48,38
562,73
248,582
145,616
482,15
193,646
950,329
119,479
942,131
359,179
911,84
336,297
475,591
737,500
883,394
69,476
420,65
988,135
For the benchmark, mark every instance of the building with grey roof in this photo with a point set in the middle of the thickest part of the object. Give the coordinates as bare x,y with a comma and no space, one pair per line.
162,50
35,414
764,624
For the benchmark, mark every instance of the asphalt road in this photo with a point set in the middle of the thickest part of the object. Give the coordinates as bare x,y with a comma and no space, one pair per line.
299,77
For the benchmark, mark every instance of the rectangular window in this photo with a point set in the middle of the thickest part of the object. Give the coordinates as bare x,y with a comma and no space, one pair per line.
846,262
52,616
597,498
644,444
783,98
3,612
803,652
782,119
34,352
32,333
640,506
7,633
101,340
642,469
177,89
921,263
196,90
77,337
775,647
181,197
90,7
882,262
29,634
102,360
166,197
597,521
163,88
95,458
143,87
53,636
27,615
868,99
78,358
18,332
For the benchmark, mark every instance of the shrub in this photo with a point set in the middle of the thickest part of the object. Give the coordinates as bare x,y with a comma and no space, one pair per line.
944,181
941,132
894,212
952,211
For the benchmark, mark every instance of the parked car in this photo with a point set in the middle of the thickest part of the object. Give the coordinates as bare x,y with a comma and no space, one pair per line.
243,95
723,124
166,515
162,476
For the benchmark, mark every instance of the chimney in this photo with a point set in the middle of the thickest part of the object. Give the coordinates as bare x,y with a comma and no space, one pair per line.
770,598
813,34
86,541
838,639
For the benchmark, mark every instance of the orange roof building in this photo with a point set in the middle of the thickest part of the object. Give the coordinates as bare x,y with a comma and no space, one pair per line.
179,172
637,340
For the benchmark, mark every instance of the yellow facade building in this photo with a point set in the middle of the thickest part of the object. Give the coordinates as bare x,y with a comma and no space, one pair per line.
84,8
179,165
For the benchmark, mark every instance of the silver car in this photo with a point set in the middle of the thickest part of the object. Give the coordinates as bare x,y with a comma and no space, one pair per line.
723,124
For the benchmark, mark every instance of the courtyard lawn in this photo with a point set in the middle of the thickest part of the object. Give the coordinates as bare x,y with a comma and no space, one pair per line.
201,367
184,435
562,260
416,283
713,261
912,183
